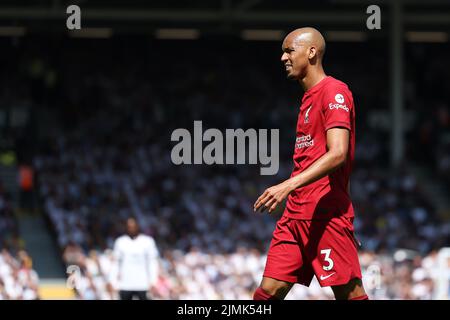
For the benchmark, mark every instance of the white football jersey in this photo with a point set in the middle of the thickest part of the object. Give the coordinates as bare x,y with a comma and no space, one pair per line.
137,262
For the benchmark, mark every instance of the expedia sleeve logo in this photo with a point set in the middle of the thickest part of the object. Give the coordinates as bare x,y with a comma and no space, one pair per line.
340,103
338,106
339,98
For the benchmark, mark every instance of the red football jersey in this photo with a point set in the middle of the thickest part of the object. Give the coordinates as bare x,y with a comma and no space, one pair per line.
326,105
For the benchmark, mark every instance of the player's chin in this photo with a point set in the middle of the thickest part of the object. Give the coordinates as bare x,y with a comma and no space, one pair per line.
291,76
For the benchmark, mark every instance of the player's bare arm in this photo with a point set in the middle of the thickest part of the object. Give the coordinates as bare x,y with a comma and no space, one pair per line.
336,155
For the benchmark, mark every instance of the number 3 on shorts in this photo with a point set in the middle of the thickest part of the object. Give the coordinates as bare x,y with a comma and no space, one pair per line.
327,258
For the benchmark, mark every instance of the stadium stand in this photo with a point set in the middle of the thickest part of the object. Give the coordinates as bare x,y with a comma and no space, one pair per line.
18,279
100,147
111,159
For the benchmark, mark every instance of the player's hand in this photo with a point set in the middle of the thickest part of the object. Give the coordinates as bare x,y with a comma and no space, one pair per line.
273,196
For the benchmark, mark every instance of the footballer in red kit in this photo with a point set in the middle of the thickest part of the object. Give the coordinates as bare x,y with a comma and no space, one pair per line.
315,235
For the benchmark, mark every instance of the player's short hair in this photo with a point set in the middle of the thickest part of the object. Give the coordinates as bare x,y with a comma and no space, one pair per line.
131,218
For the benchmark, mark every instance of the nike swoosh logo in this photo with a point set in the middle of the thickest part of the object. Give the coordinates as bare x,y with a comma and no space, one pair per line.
326,277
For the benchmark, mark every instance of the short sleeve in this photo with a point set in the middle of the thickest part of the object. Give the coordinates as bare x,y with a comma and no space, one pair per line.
153,249
337,108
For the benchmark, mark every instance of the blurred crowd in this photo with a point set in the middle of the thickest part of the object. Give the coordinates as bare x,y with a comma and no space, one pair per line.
106,156
18,280
198,275
9,229
428,98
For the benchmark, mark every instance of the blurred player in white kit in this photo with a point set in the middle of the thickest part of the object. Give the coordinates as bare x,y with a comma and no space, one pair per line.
137,263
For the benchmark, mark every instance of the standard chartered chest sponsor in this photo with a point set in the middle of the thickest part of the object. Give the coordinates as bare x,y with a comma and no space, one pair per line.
304,141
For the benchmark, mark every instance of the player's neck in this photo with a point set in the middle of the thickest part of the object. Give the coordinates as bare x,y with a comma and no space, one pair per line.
312,78
133,235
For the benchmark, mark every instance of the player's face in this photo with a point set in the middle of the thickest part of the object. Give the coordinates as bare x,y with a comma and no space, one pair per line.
132,227
294,58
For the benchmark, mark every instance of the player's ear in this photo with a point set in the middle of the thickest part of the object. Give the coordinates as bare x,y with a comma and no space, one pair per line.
312,52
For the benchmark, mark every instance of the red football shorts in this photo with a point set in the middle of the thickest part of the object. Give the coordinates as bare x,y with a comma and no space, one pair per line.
301,249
